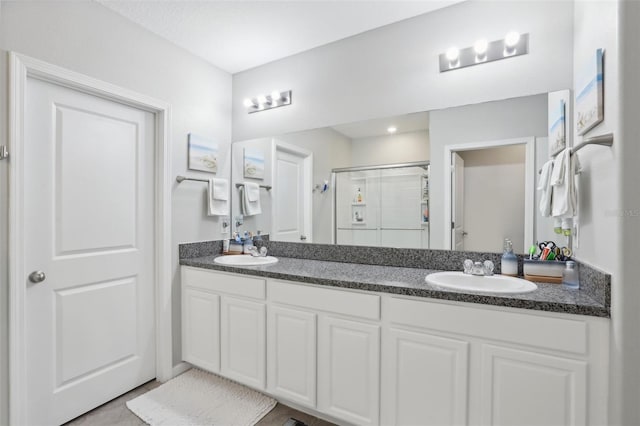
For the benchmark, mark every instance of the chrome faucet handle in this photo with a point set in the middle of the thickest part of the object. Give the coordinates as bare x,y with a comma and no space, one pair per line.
488,268
253,251
468,266
263,251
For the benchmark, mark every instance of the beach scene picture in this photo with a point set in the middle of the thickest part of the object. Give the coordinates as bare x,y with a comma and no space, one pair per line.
557,128
254,163
203,154
589,96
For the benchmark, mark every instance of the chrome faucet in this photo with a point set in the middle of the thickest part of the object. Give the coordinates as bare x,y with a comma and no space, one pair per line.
253,251
478,268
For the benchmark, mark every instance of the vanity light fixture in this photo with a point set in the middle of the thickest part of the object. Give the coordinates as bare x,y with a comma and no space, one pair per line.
482,51
392,129
262,102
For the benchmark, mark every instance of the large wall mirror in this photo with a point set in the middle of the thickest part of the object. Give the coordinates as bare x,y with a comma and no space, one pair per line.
459,178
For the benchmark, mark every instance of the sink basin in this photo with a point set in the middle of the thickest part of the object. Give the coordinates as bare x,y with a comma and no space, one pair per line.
245,260
493,284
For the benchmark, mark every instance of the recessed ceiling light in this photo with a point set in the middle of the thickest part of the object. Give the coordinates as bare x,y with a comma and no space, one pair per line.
392,129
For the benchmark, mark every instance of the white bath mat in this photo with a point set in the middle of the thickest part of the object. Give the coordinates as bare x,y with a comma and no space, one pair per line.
200,398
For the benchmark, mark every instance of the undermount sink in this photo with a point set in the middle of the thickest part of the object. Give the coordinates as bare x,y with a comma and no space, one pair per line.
488,284
245,260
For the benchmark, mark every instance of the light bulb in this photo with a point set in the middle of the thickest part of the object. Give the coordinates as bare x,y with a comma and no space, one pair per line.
452,54
275,96
262,99
511,39
391,129
248,103
481,46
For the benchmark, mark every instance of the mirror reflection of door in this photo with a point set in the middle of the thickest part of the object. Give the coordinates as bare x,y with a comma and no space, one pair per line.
457,202
292,184
491,207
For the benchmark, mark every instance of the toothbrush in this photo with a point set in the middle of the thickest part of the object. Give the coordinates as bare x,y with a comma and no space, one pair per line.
532,251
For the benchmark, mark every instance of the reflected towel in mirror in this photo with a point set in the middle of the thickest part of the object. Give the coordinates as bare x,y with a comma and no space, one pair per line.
250,199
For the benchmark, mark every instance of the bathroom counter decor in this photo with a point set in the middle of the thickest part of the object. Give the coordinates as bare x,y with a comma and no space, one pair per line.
592,300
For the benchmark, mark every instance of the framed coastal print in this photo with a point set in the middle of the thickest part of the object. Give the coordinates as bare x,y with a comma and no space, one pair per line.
203,154
254,163
590,93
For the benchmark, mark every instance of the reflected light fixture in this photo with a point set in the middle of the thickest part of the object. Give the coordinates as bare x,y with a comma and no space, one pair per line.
482,51
392,129
263,102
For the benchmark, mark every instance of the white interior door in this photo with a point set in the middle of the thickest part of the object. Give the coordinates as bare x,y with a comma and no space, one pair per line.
89,208
292,187
457,201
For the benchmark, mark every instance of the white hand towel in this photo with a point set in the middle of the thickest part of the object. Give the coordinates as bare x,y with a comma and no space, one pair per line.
248,191
557,175
544,186
218,197
565,196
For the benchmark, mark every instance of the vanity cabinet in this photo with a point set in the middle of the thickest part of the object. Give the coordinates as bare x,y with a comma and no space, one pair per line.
368,358
224,324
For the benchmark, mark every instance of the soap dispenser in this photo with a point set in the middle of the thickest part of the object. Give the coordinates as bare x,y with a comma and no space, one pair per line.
509,263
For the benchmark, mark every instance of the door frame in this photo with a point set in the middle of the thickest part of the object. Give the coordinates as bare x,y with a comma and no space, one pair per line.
529,182
307,184
22,67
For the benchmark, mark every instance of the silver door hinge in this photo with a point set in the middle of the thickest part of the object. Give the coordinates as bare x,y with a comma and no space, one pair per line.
4,152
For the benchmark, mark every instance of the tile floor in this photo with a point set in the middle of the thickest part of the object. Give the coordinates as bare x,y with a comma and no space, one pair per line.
116,413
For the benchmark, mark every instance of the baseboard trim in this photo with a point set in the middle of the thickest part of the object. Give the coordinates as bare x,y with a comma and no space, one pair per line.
180,368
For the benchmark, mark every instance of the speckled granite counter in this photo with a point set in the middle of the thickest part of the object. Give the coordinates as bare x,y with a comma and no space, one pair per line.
409,281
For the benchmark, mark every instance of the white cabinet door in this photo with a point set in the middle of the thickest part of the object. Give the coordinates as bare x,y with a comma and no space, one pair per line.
528,388
349,370
201,329
291,355
425,379
243,329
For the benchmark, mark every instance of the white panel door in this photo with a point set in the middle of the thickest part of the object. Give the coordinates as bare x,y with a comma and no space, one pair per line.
291,355
457,200
201,329
89,227
528,388
290,205
349,370
427,380
243,341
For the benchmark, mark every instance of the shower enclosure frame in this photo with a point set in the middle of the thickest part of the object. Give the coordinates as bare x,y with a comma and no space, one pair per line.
334,172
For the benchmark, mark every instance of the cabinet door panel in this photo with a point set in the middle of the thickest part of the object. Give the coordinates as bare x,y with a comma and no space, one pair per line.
528,388
349,370
428,380
291,348
243,329
201,329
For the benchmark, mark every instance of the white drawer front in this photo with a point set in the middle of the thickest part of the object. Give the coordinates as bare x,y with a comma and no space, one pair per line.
239,285
325,299
534,330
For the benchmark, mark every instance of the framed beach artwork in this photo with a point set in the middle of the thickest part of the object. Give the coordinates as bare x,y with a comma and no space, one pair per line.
254,163
590,94
203,154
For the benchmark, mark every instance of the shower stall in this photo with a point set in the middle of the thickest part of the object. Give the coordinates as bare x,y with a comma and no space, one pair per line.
386,205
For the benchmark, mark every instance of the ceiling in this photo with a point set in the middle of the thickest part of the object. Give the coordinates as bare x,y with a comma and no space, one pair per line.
378,127
239,35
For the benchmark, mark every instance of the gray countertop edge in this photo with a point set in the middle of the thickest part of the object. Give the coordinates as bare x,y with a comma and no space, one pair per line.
586,306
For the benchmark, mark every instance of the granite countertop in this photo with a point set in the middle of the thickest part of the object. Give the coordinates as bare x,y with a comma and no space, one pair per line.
409,282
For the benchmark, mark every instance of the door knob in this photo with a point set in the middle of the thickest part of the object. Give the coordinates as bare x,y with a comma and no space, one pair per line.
37,277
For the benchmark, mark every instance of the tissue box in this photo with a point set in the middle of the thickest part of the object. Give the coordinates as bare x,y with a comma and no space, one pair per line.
548,271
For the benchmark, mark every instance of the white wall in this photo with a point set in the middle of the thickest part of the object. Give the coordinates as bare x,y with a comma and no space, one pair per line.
393,70
390,149
494,197
89,38
508,119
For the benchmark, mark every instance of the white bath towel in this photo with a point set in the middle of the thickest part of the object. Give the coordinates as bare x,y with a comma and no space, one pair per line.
565,195
218,197
250,199
544,186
